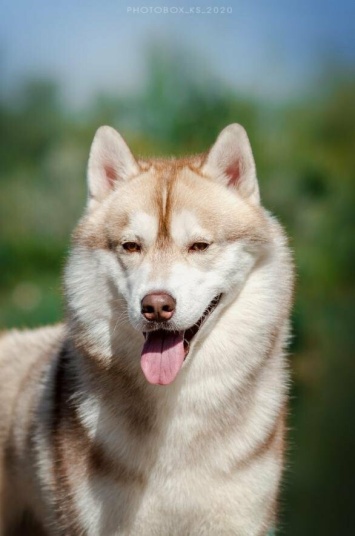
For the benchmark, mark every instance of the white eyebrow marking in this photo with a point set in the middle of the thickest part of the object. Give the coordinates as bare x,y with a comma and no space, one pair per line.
144,226
186,227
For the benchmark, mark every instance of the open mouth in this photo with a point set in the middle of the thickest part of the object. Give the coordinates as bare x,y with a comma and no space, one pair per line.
191,332
164,351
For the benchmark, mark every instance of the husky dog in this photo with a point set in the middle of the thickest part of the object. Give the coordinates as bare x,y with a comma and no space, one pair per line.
158,407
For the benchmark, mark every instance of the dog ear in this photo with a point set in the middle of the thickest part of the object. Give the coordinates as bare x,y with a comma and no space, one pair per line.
110,161
230,161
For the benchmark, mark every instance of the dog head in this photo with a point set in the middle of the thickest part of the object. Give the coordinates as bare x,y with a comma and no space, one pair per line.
164,245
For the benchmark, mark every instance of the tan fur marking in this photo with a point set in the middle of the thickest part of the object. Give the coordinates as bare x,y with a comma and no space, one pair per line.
92,232
117,387
106,466
67,444
273,440
164,196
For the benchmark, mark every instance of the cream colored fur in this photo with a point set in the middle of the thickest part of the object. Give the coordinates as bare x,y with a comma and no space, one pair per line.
88,446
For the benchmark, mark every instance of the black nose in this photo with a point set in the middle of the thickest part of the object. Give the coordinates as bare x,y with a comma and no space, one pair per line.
158,306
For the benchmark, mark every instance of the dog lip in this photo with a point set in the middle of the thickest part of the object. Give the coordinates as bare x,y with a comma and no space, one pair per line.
191,332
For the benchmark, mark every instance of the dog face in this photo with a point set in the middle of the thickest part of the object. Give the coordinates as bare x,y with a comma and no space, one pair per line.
164,245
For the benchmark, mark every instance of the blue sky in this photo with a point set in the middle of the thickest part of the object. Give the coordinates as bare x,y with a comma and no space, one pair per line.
271,48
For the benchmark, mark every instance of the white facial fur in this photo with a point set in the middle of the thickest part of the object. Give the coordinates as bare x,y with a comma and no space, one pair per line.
193,279
109,291
142,227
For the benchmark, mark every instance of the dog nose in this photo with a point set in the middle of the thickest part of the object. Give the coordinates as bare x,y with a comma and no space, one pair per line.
158,306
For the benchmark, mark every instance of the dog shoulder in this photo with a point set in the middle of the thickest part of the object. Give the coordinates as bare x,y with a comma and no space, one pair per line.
21,355
24,346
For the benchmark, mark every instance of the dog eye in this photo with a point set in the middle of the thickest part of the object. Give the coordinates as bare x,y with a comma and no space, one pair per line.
131,247
198,246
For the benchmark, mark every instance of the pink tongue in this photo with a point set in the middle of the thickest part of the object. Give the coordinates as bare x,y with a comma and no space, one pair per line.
162,356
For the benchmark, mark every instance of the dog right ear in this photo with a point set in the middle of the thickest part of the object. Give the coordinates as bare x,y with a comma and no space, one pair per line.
230,162
110,161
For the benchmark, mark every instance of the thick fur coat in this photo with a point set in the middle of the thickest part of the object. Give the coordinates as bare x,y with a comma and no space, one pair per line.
127,421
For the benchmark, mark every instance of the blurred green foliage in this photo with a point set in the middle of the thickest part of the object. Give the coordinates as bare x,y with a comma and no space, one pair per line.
305,157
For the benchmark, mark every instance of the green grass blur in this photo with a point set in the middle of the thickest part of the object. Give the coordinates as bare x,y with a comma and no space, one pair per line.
304,152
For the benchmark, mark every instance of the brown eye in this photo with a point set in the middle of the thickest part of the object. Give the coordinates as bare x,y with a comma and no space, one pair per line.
198,246
131,247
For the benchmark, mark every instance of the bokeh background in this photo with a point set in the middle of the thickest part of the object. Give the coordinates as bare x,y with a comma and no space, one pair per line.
169,83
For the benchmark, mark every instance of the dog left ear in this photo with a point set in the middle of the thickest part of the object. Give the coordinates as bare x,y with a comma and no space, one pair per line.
110,161
230,161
